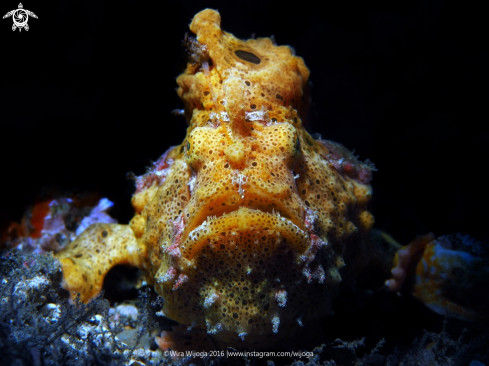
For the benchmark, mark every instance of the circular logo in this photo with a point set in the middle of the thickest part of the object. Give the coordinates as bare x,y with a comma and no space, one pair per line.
20,17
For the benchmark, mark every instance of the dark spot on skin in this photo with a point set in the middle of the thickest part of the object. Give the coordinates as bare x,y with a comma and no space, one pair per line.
247,56
104,234
253,106
78,255
235,315
247,83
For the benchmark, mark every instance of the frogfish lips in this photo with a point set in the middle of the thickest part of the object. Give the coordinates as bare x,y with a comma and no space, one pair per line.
252,273
241,222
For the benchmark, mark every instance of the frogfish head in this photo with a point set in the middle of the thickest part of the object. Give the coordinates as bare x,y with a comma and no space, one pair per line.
246,221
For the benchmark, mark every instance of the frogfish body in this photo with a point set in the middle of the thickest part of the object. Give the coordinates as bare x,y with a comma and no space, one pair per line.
247,228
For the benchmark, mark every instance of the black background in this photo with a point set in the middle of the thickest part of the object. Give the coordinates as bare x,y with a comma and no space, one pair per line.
86,96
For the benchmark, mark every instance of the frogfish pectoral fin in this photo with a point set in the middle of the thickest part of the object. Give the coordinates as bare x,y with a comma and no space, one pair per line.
87,259
449,274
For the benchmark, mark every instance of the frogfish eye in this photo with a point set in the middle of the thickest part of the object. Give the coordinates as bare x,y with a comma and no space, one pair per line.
248,56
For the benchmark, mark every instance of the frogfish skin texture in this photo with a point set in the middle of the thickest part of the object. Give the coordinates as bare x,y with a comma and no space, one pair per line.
248,227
